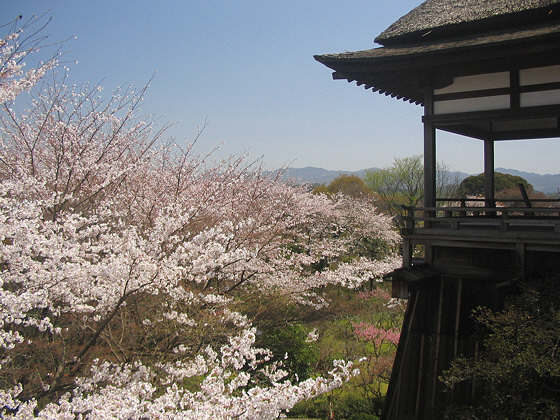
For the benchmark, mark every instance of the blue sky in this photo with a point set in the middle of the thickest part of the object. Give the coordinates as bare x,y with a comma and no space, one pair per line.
247,68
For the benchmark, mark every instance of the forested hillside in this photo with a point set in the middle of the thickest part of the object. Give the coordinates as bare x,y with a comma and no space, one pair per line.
548,184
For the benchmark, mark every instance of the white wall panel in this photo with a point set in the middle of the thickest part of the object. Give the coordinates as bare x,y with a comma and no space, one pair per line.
539,75
473,104
477,82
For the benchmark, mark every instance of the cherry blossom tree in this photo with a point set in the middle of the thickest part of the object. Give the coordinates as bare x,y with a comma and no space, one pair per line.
14,48
122,259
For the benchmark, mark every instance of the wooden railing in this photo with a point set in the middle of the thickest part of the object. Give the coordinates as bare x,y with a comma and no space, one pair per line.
463,221
505,202
473,213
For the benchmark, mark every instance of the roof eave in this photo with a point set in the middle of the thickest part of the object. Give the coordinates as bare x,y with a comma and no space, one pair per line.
423,65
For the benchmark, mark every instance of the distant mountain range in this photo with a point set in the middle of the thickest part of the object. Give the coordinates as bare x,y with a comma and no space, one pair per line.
548,184
545,183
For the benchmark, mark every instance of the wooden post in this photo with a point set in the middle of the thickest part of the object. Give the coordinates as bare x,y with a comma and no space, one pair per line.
489,173
524,195
429,155
520,248
429,165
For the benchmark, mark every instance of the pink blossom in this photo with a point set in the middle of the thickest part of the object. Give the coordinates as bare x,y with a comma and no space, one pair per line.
375,334
375,294
108,234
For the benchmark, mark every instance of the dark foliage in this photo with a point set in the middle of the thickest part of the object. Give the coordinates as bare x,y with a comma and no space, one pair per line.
474,184
518,371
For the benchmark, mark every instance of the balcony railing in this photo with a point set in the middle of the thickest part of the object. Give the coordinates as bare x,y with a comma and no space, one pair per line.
471,223
469,214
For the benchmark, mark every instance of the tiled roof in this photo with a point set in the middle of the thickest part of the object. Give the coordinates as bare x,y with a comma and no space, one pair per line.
395,70
436,19
443,39
410,50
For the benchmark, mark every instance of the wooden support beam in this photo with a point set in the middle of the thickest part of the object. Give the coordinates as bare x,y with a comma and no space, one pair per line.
524,194
429,154
436,360
457,317
520,248
392,399
489,173
407,253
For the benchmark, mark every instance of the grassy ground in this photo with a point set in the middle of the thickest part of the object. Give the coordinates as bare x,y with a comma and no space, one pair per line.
362,397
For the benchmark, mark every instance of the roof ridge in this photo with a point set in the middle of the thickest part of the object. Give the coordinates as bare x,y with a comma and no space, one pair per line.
435,19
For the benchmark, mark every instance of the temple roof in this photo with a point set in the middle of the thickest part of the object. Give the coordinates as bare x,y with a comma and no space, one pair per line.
443,37
435,19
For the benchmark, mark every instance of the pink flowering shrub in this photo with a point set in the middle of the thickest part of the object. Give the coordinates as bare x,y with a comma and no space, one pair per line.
377,335
375,293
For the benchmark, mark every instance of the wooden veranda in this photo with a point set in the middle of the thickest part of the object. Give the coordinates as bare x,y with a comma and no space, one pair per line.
467,222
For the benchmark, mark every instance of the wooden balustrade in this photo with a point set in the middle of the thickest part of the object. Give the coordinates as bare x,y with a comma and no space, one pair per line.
463,224
462,216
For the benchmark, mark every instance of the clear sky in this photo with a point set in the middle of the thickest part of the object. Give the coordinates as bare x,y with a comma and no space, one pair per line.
247,68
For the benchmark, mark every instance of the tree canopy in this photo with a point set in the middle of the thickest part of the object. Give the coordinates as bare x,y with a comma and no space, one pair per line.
350,185
402,184
518,368
474,184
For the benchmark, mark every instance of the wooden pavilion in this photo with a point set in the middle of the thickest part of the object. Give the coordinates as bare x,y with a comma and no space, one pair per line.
489,70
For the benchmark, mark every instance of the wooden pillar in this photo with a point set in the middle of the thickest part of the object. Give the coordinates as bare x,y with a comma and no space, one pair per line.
429,154
489,173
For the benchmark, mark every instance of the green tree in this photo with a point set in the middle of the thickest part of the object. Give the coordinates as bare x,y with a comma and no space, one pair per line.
291,340
518,369
474,184
403,184
350,185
